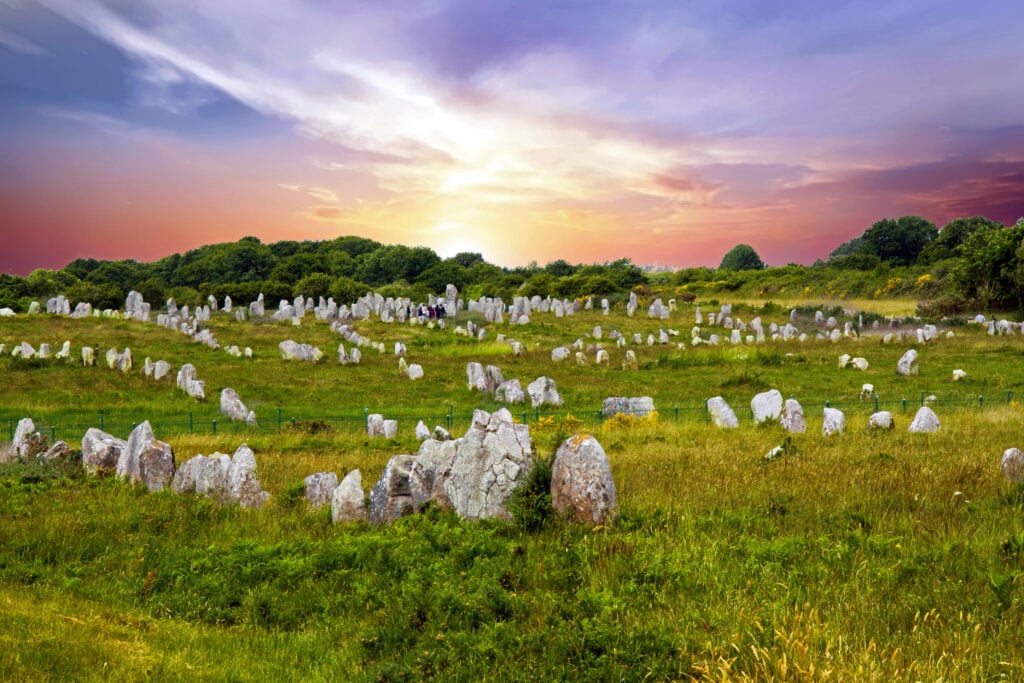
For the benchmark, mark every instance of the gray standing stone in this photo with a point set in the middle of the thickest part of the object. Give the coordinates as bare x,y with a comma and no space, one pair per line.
581,481
27,441
422,431
58,451
320,488
243,486
160,369
792,418
390,429
907,364
348,503
880,420
1012,464
640,406
101,451
542,391
146,460
375,424
510,391
391,496
721,413
925,421
833,422
766,406
232,406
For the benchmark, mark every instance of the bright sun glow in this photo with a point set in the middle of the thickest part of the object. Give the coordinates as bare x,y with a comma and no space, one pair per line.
455,238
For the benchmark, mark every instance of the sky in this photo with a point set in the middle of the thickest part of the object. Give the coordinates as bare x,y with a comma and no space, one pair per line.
587,130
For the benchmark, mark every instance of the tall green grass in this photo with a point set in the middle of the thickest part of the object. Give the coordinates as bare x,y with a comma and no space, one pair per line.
862,556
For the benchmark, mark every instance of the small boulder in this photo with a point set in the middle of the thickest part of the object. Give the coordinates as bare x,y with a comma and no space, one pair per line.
348,503
146,460
880,420
907,364
766,406
391,496
581,481
792,418
833,422
1012,465
101,451
925,421
320,488
721,413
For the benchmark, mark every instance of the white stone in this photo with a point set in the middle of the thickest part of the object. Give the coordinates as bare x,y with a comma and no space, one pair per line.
907,364
721,413
833,422
767,406
792,419
880,420
1012,464
925,421
348,502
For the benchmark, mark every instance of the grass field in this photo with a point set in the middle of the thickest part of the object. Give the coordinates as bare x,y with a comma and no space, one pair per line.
862,556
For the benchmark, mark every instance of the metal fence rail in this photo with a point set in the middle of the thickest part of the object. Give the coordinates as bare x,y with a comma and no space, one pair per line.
70,425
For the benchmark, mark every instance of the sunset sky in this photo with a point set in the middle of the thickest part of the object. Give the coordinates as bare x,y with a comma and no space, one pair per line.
589,130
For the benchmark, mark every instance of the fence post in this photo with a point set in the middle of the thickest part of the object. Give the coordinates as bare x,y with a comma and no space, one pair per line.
876,403
53,433
536,414
828,403
451,416
10,428
101,421
278,419
922,398
1009,397
904,406
675,410
707,413
133,427
981,401
525,417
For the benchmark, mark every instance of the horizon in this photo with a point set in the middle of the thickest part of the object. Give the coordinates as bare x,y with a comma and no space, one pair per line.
524,131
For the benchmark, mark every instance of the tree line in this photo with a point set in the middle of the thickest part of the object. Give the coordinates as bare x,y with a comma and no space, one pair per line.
969,264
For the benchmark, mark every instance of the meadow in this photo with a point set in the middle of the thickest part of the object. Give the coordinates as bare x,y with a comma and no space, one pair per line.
861,556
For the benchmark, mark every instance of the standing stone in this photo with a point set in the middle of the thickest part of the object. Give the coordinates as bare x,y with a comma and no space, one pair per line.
390,429
320,488
582,488
792,418
243,486
415,371
348,503
907,364
640,406
375,424
880,420
766,406
422,431
542,391
101,451
146,460
1012,464
925,421
476,380
391,496
232,406
27,441
834,422
721,413
510,391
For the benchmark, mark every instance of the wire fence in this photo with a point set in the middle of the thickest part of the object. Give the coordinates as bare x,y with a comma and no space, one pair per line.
70,425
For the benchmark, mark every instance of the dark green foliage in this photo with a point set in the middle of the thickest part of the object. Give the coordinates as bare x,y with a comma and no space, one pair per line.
530,504
741,257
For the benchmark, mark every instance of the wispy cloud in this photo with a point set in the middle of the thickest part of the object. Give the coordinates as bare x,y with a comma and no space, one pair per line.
19,44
